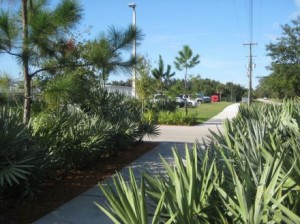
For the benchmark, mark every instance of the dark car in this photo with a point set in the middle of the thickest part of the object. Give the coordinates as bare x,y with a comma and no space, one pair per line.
180,102
204,99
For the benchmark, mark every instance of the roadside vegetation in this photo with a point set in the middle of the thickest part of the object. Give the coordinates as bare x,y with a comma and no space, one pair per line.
283,81
248,174
68,119
60,118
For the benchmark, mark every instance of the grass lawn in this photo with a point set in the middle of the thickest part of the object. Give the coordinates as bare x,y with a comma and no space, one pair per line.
205,111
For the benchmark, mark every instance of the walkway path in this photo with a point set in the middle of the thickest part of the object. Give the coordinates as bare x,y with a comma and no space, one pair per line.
81,209
191,133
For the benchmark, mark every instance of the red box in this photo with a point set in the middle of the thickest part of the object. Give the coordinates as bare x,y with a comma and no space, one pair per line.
214,98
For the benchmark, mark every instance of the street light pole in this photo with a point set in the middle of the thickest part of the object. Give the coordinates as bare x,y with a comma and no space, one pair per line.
133,6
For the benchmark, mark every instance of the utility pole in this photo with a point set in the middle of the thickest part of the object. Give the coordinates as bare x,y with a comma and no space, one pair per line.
133,6
250,69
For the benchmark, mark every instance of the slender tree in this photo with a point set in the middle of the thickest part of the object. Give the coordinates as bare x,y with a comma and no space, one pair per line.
41,32
46,46
220,89
144,83
184,61
160,75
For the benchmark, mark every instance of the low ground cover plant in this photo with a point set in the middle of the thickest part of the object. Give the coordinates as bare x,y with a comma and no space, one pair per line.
247,174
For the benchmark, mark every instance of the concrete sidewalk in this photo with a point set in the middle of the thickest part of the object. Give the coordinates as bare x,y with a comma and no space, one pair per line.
82,209
172,133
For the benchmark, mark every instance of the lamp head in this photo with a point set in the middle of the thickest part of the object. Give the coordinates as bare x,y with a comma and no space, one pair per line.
132,5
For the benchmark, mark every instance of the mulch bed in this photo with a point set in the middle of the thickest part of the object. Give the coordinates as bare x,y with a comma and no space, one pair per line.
57,192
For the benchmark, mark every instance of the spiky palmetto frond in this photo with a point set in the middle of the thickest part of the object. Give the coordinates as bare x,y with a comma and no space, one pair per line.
260,150
127,202
16,159
188,187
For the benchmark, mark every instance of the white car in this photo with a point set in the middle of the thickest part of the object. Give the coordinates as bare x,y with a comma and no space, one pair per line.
191,102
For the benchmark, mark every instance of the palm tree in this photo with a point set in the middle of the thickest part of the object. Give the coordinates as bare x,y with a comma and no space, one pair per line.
160,75
42,34
220,89
186,60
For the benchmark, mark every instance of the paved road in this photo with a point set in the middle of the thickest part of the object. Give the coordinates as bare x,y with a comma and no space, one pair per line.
82,209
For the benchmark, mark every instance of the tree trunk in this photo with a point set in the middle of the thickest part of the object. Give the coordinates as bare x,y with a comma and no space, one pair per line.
25,60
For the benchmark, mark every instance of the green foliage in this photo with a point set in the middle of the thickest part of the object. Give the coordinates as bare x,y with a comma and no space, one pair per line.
162,77
144,83
19,156
284,78
176,118
127,203
72,137
248,174
186,60
160,105
188,187
260,156
102,124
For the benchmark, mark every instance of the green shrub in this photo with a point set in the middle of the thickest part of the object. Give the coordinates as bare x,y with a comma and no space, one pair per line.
72,137
176,118
19,156
161,105
103,125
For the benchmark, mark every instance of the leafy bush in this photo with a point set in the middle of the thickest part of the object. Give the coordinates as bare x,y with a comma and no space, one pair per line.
161,105
176,118
19,156
102,125
72,137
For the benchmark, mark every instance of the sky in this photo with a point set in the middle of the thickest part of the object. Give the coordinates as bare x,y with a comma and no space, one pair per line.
214,29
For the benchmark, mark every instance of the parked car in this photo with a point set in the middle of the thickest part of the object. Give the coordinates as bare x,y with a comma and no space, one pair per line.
189,101
203,99
158,97
179,101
